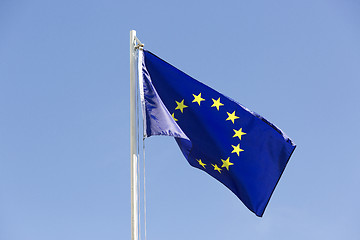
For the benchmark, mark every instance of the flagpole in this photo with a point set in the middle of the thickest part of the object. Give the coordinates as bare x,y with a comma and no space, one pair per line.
133,147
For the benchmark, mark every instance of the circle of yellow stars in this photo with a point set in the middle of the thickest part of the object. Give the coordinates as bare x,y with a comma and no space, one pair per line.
226,163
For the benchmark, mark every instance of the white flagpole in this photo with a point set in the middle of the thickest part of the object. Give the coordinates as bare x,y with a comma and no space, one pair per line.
133,147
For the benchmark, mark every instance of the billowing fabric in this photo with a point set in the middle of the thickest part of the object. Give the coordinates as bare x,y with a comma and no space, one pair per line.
237,147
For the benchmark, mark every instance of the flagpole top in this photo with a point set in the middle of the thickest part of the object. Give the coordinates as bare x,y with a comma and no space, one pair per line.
137,43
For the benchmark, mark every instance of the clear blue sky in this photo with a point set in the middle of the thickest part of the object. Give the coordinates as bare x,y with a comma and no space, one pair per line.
64,116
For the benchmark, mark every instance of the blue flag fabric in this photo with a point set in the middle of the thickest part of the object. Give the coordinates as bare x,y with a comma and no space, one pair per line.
234,145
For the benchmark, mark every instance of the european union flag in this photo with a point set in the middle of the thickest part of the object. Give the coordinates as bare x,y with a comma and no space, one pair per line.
236,146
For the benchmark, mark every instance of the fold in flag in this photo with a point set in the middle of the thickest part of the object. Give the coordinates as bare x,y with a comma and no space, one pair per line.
234,145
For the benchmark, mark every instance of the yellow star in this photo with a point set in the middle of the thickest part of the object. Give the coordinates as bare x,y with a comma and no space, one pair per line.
198,98
173,115
237,149
226,163
180,105
216,168
201,163
238,133
231,116
217,103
